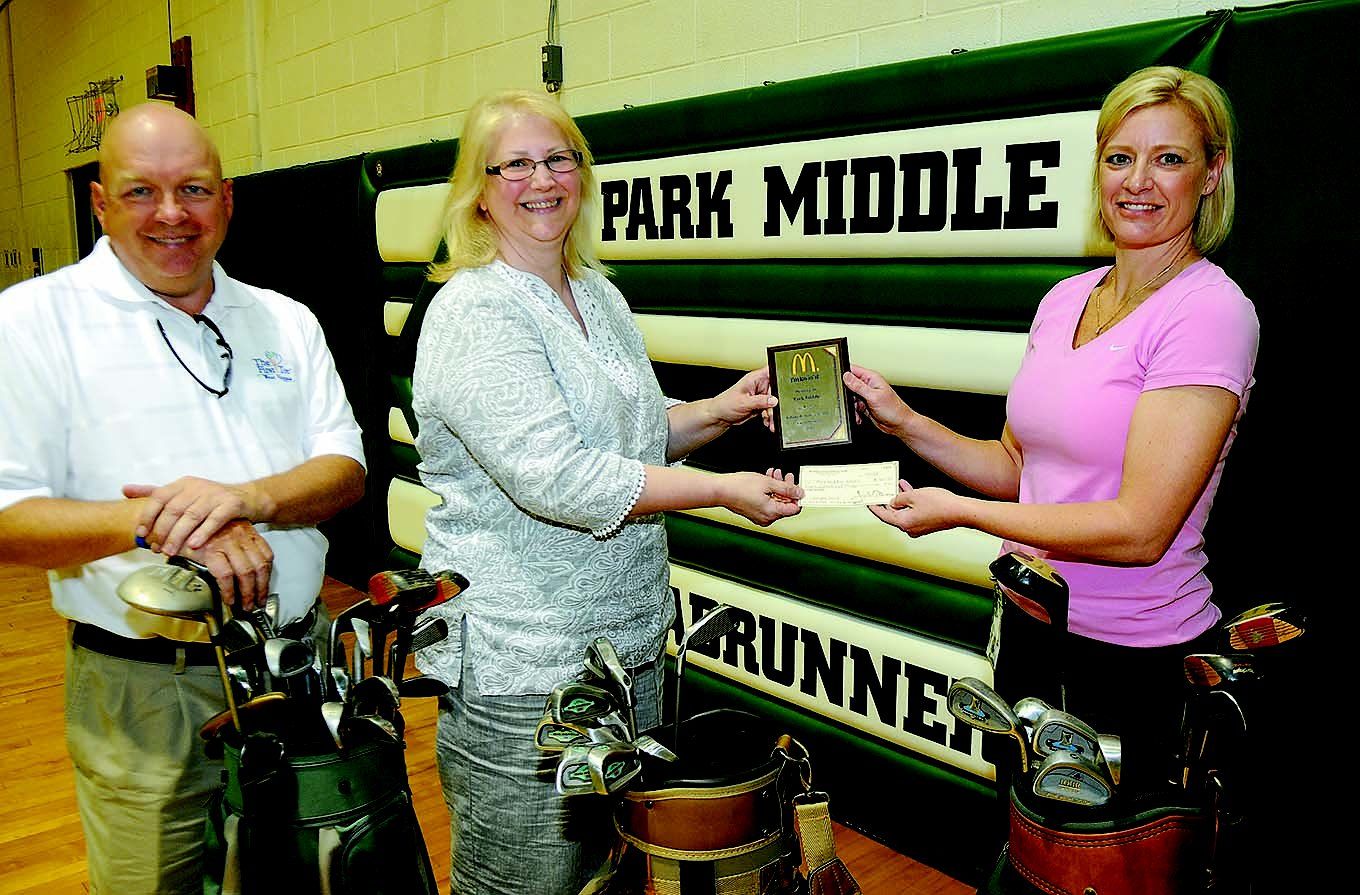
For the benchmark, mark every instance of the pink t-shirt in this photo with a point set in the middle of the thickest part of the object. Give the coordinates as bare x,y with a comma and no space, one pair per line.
1070,410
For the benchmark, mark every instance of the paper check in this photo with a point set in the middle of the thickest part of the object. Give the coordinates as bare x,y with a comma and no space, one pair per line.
853,485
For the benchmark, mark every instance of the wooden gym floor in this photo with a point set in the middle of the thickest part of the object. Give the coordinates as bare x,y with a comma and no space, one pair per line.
41,846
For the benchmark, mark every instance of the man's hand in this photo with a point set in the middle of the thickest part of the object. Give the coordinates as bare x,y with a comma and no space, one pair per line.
186,513
241,561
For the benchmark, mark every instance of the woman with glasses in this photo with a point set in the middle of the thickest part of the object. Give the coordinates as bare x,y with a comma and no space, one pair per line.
545,434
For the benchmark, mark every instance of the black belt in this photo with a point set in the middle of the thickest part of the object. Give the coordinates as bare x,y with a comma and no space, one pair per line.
157,650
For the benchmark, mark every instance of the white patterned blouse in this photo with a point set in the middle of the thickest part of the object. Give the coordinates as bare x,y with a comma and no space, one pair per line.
534,436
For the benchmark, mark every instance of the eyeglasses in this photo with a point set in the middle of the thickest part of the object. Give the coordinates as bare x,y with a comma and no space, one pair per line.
221,342
523,168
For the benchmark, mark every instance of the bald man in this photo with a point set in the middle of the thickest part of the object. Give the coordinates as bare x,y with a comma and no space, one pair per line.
147,395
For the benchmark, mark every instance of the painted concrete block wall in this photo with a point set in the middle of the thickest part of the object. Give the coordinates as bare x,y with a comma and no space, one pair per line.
287,82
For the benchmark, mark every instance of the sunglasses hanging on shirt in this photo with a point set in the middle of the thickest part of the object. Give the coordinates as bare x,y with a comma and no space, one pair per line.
221,342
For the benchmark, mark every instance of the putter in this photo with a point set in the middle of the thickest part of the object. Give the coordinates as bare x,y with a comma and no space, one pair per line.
721,619
182,588
978,705
1269,624
1066,778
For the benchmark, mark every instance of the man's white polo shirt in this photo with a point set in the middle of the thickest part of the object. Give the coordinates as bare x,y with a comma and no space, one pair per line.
92,398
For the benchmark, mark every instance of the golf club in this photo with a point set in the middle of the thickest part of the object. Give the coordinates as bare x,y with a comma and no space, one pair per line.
1269,624
720,620
1066,778
182,588
979,706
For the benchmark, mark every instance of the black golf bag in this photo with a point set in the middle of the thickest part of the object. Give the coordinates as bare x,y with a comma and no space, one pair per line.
331,824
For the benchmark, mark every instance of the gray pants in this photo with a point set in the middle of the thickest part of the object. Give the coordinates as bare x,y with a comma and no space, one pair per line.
512,834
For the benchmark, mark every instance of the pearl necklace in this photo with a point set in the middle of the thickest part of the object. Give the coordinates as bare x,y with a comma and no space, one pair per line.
1108,283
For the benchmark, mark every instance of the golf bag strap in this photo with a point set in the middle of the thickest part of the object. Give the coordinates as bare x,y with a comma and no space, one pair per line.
680,854
827,874
327,843
231,866
760,871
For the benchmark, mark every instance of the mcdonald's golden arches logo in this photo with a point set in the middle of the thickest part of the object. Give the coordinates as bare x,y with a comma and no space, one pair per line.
803,362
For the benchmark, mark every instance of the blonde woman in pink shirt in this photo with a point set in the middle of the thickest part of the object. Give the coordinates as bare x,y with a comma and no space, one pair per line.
1118,425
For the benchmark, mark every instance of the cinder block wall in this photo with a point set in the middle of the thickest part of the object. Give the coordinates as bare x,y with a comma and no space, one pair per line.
286,82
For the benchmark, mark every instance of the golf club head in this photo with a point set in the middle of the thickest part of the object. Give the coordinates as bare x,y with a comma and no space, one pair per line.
1062,777
573,772
1033,586
613,766
363,647
422,686
286,658
259,713
553,737
339,687
237,635
602,660
375,695
1267,625
573,702
1030,709
428,632
415,590
170,590
649,745
332,713
720,620
1112,754
1213,670
978,705
358,730
1058,731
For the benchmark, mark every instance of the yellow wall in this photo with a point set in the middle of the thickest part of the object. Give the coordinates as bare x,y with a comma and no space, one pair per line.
285,82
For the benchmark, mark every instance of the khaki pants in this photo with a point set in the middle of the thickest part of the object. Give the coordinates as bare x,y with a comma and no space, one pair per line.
142,779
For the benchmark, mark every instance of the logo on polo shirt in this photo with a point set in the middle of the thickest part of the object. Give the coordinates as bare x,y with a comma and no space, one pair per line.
272,366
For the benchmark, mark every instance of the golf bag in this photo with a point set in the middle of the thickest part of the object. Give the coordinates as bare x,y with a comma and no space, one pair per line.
330,824
1155,845
735,814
